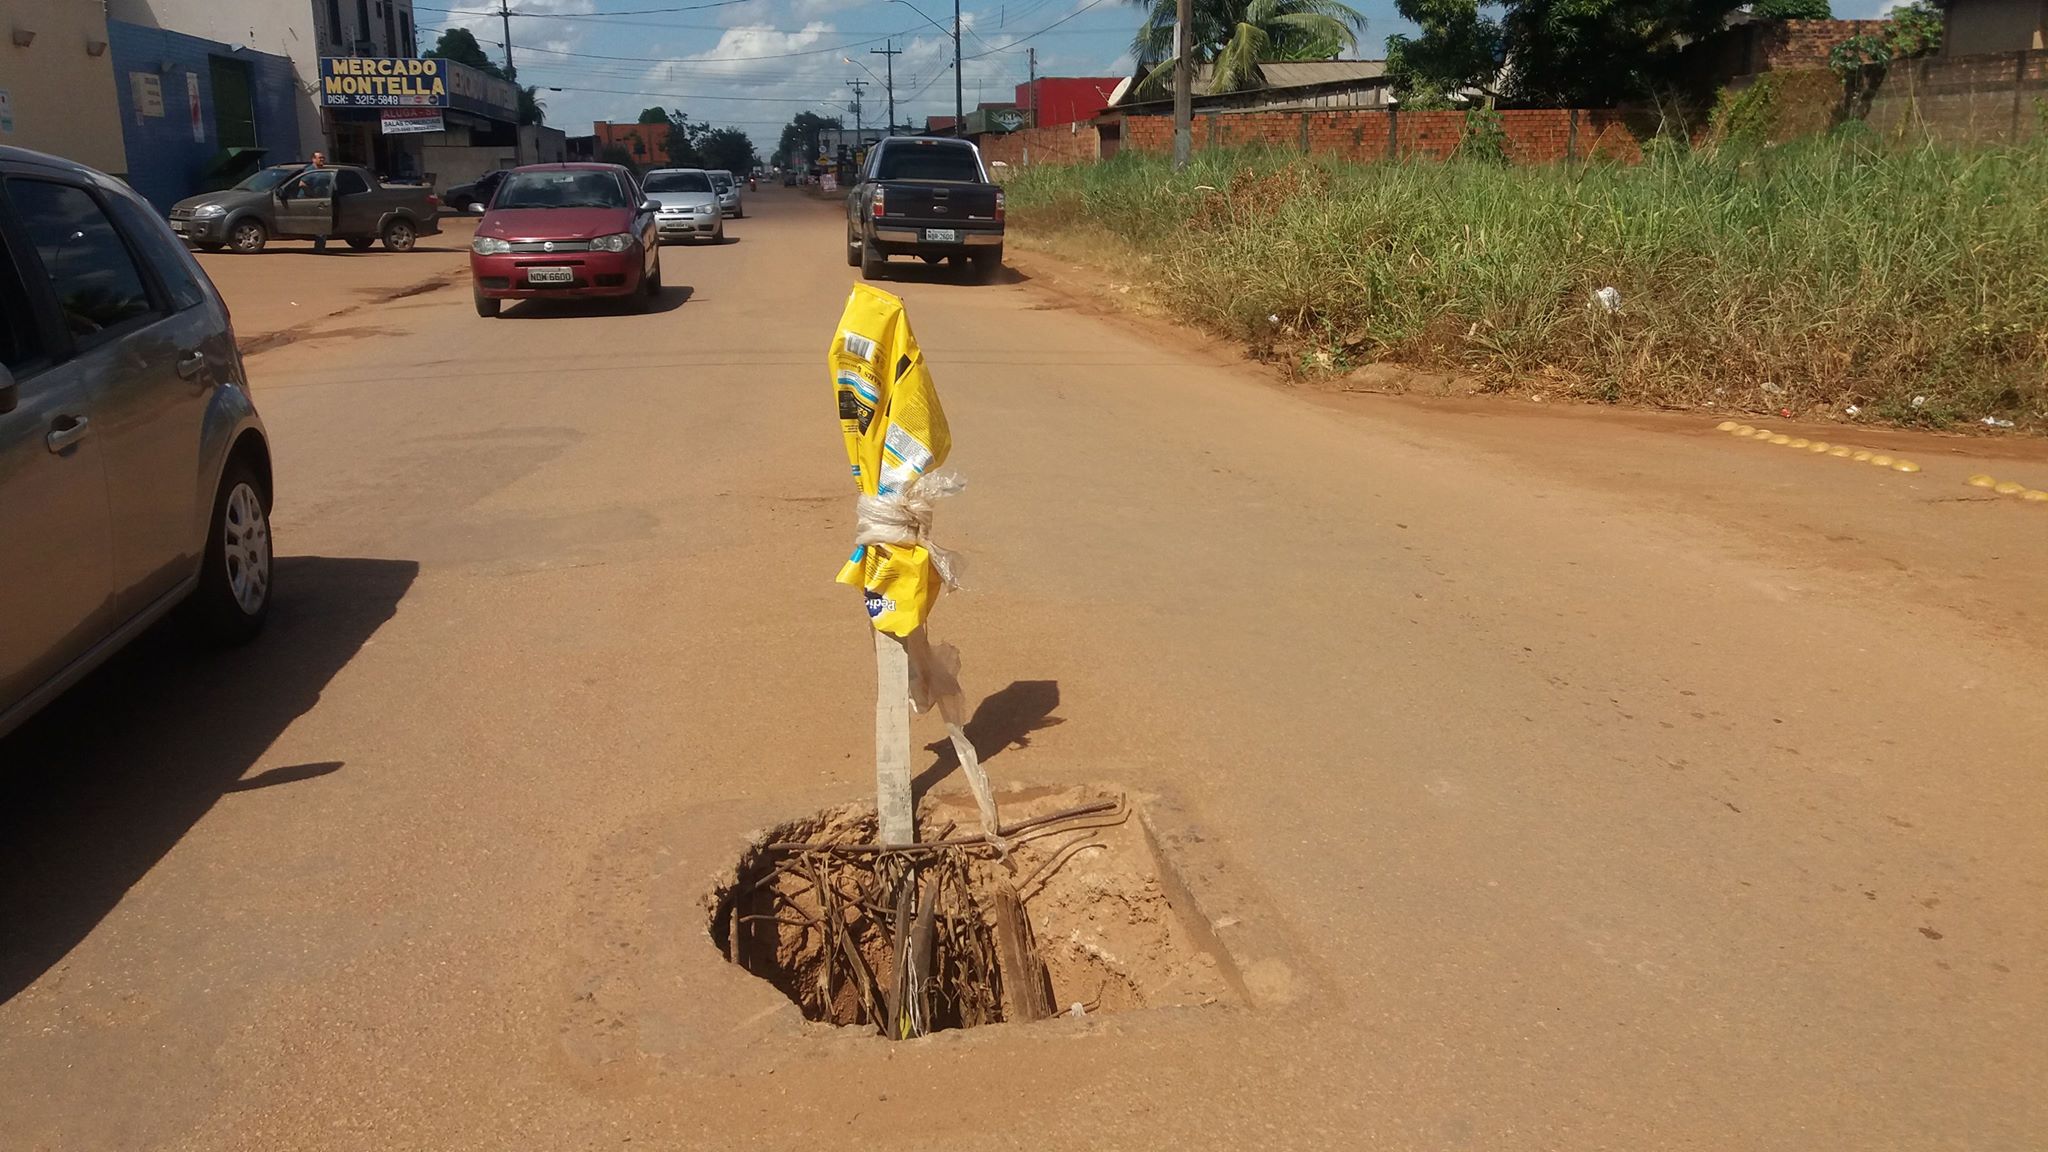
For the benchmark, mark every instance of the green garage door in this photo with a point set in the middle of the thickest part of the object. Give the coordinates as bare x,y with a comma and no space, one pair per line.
234,110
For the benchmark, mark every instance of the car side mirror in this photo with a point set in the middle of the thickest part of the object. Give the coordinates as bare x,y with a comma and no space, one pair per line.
650,205
10,392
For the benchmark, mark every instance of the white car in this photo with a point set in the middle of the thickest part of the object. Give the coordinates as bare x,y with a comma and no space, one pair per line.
728,192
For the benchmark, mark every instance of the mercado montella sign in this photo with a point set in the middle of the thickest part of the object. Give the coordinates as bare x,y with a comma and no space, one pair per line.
403,82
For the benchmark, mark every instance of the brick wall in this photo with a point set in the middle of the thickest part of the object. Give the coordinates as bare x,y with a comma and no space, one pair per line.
1990,99
1802,43
1534,135
1061,144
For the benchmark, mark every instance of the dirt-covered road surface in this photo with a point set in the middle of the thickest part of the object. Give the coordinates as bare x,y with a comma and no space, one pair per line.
1594,781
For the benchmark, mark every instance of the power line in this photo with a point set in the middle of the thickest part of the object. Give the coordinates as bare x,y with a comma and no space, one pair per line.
584,15
1042,31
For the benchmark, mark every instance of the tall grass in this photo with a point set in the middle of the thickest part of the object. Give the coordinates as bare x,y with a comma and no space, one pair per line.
1822,274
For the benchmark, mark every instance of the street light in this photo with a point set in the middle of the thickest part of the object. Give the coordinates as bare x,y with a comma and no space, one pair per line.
959,101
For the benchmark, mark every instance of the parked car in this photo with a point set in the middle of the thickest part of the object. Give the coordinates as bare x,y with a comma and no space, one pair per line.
560,230
474,196
789,178
134,472
728,192
924,197
689,204
340,201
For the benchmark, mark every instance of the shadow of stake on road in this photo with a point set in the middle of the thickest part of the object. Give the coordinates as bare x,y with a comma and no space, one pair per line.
1003,720
95,790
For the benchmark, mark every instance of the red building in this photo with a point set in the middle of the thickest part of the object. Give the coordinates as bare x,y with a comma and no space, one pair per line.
646,143
1066,99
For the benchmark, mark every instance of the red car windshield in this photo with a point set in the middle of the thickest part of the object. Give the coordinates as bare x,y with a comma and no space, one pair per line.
562,189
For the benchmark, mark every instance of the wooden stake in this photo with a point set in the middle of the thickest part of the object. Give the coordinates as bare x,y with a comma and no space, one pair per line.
896,818
1023,972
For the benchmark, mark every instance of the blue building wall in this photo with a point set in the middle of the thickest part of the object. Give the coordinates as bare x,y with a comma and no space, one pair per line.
165,163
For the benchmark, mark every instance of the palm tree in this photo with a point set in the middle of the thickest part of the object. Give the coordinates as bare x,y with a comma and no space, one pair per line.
1235,36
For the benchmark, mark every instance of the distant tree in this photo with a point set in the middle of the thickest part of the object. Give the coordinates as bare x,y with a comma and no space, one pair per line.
617,154
654,115
1580,53
683,140
728,148
1234,37
800,137
1791,10
460,45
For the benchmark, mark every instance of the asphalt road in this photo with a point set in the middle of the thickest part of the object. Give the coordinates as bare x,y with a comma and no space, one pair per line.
1609,783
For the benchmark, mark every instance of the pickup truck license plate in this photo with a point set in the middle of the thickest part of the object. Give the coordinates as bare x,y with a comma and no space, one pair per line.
941,235
550,275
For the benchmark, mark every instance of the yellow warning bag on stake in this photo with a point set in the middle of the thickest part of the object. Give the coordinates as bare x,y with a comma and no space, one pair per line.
896,438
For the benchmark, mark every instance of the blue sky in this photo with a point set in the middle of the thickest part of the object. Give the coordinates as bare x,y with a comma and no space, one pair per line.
756,63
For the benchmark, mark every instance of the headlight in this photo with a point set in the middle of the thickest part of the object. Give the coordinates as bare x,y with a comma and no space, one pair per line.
702,210
208,210
617,242
490,246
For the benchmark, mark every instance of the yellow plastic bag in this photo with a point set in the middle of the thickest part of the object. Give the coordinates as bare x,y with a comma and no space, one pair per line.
896,438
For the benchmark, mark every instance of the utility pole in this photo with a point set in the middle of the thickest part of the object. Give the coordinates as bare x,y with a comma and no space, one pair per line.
959,92
1031,54
889,53
1183,86
858,87
505,14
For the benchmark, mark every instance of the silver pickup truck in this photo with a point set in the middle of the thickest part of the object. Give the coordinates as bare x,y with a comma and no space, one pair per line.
298,201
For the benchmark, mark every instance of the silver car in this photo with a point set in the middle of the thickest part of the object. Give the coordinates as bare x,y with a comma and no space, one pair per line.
690,208
728,192
134,472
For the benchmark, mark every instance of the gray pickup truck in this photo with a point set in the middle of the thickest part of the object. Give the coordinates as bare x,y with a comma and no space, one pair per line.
301,202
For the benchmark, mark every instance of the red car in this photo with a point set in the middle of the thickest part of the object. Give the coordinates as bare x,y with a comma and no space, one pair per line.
561,230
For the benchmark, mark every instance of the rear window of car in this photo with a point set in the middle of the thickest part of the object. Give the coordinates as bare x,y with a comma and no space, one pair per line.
678,182
569,189
722,180
938,162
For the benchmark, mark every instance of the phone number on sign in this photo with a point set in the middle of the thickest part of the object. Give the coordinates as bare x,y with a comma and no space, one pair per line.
389,102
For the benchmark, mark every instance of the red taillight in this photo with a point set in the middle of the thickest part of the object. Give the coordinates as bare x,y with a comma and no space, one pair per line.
433,201
999,205
880,206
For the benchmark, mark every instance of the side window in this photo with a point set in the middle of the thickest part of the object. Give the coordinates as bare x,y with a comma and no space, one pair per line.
348,182
97,284
317,184
161,250
20,344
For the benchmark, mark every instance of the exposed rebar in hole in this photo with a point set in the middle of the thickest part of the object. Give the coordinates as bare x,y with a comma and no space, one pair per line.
1070,916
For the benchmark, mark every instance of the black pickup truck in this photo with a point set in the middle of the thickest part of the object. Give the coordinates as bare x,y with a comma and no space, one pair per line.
925,197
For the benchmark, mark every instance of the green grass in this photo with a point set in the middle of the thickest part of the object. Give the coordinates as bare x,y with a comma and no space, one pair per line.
1814,276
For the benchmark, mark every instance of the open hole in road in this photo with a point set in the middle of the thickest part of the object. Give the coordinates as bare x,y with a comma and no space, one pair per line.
1075,919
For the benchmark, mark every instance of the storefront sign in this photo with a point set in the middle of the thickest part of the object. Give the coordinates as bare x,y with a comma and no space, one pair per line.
146,92
399,121
401,82
192,104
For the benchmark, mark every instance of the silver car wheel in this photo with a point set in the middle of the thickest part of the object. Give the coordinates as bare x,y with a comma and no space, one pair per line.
245,543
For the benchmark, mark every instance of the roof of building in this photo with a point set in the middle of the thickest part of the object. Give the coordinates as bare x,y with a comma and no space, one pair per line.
1279,74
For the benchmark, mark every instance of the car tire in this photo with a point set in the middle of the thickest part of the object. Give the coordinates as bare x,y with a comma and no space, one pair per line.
247,236
236,577
360,243
987,264
487,306
871,260
400,236
852,250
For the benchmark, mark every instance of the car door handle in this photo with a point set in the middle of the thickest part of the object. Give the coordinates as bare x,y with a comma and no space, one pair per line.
189,366
68,430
